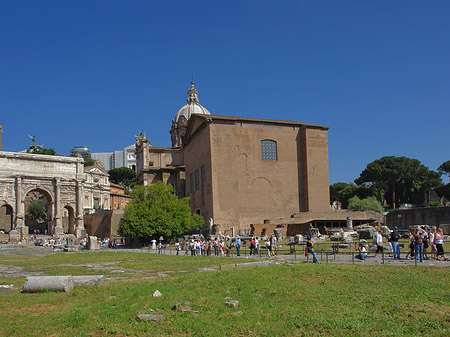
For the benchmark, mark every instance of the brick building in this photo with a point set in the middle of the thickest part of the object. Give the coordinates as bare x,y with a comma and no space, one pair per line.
239,171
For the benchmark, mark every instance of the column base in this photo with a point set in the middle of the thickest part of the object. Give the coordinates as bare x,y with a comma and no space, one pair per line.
59,231
80,232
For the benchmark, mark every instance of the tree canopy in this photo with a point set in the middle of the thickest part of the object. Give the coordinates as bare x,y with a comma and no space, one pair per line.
36,210
444,168
367,204
342,192
399,179
88,162
155,210
123,176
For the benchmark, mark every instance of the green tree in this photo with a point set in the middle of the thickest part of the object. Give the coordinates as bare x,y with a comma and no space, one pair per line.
399,179
36,210
367,204
445,168
49,151
88,162
123,176
444,191
342,192
155,210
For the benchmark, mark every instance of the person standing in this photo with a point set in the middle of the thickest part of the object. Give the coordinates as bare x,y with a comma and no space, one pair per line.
252,246
154,244
395,236
310,248
268,247
216,247
425,242
177,247
238,245
433,245
418,245
379,242
411,244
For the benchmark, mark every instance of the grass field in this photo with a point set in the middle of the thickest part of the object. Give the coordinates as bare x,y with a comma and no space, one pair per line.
284,300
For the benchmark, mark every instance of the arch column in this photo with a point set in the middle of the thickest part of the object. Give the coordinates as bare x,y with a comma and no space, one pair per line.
59,230
19,204
19,221
80,230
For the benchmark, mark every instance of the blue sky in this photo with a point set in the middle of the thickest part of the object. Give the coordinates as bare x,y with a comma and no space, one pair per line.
96,72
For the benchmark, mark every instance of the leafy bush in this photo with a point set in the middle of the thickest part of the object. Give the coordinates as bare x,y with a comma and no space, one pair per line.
367,204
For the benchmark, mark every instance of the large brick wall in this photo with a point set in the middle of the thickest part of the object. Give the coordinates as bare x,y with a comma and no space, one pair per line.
432,216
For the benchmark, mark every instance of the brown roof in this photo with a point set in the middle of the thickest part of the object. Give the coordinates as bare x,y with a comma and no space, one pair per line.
257,120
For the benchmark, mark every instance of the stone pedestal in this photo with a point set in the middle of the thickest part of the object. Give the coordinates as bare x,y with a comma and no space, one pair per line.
23,232
14,236
92,244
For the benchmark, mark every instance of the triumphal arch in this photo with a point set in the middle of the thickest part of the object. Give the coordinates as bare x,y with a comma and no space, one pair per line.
56,179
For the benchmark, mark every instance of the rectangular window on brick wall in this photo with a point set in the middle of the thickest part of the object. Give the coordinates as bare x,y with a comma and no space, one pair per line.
191,183
197,180
203,172
269,149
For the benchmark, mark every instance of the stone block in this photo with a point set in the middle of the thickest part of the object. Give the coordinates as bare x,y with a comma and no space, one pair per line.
88,280
92,243
14,236
445,228
150,317
36,284
232,304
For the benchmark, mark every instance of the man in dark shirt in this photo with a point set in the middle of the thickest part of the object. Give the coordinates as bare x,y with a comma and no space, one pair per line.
395,236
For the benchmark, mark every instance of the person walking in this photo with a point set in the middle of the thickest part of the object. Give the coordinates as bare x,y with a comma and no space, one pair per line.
395,236
273,245
310,248
439,242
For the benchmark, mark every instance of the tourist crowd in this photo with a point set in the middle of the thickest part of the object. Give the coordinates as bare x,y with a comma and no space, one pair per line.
419,241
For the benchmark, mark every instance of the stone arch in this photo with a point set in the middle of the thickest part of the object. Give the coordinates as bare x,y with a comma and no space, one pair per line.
68,219
6,217
38,192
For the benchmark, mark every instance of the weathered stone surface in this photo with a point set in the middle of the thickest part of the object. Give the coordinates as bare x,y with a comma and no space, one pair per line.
157,293
314,232
183,307
37,284
92,243
232,304
88,280
14,236
149,317
366,233
237,313
6,289
298,238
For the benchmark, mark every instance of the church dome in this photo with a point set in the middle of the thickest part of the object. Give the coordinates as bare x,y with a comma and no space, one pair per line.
192,107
